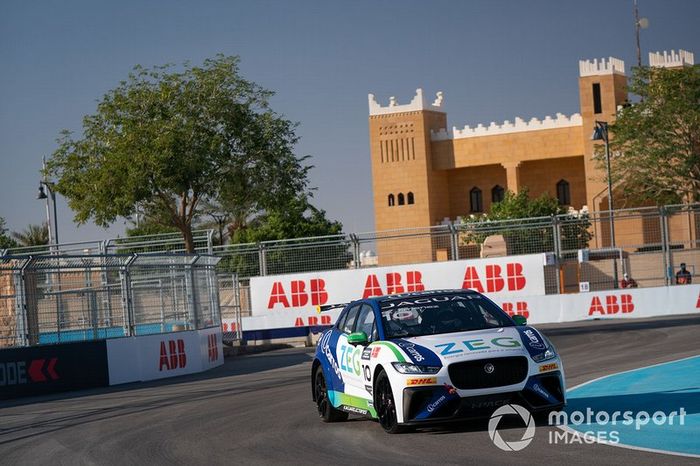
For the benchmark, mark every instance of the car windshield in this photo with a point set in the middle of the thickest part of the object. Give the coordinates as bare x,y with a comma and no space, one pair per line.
414,316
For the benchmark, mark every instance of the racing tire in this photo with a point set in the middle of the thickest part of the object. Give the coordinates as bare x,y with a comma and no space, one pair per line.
326,411
385,405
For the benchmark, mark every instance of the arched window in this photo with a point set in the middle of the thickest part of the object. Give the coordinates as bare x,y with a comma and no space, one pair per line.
410,199
391,200
497,193
401,199
563,192
475,200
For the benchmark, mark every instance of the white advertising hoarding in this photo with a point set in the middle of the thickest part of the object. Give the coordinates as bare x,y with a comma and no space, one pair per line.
299,294
627,303
151,357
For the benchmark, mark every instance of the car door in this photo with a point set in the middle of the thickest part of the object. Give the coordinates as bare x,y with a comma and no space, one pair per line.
359,382
344,350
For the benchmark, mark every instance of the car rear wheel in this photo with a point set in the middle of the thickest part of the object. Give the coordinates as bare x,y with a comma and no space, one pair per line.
326,411
385,405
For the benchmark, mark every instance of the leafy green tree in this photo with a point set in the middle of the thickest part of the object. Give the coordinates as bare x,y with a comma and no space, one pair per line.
655,143
6,241
297,219
33,235
526,224
152,220
215,218
174,138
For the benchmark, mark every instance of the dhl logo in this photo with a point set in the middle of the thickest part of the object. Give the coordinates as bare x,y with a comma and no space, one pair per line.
549,367
423,381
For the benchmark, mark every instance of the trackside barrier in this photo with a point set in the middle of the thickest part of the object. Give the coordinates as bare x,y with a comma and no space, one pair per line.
45,369
164,355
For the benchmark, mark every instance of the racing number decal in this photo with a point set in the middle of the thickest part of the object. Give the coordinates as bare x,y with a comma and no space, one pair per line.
367,372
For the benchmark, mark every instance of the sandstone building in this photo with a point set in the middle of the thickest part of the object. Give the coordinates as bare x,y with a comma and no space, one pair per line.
423,173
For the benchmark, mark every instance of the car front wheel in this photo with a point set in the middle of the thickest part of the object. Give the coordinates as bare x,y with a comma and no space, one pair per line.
385,405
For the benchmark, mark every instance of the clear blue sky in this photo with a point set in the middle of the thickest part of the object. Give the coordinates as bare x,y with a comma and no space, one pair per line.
493,59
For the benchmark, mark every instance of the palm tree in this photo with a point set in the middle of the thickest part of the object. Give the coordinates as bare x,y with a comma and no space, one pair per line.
33,235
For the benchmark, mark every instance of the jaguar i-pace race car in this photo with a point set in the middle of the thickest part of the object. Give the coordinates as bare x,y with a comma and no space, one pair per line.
432,356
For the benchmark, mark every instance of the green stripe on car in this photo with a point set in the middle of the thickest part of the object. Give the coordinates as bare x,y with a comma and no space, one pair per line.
397,352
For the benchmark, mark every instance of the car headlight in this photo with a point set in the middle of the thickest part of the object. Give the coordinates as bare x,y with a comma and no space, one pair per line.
549,354
408,368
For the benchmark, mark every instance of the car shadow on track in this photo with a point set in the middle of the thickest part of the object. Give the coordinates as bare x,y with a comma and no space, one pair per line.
479,425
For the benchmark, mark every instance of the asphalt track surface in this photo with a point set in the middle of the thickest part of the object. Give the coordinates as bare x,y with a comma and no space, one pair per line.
257,410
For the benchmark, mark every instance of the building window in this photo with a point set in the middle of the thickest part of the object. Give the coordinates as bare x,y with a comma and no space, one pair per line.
497,193
563,192
410,199
597,102
475,200
391,200
401,199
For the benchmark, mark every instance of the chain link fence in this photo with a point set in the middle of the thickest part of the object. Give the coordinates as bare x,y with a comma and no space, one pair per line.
62,298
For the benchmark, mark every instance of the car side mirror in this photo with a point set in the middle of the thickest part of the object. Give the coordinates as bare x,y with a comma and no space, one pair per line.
519,320
357,338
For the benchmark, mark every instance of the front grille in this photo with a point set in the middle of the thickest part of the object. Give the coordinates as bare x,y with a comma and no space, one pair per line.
471,375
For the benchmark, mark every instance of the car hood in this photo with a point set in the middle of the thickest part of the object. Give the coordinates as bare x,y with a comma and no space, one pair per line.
446,348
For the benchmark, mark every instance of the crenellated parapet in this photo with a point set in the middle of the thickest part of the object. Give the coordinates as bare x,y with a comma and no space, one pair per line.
518,126
671,59
597,68
418,103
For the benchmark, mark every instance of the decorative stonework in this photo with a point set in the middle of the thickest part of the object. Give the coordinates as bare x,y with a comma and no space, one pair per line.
671,60
597,68
520,125
417,103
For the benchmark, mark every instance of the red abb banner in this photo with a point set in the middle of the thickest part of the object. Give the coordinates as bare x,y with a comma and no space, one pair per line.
504,276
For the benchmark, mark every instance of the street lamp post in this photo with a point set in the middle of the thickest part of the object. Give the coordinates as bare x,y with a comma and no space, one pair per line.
45,186
600,133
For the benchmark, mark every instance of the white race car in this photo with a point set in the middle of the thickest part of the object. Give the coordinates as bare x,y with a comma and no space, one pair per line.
432,356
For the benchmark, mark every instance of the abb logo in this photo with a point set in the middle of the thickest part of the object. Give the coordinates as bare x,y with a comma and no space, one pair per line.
518,308
225,326
213,348
394,284
299,296
172,354
613,305
514,279
313,320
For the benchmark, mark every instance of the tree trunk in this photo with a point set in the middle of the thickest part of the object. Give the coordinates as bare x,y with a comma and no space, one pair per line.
189,239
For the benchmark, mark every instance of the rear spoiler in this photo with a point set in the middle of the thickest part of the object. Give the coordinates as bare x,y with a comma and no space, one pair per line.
330,307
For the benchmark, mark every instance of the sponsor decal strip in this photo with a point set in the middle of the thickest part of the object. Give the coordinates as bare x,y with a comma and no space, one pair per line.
399,357
340,398
421,381
549,367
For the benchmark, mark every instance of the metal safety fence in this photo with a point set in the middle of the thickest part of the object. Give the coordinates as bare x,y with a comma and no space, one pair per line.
591,249
62,298
595,250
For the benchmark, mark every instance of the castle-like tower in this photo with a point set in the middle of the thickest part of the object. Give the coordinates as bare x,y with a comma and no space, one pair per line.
423,174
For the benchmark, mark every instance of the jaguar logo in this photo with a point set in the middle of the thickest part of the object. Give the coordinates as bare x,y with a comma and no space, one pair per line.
488,368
